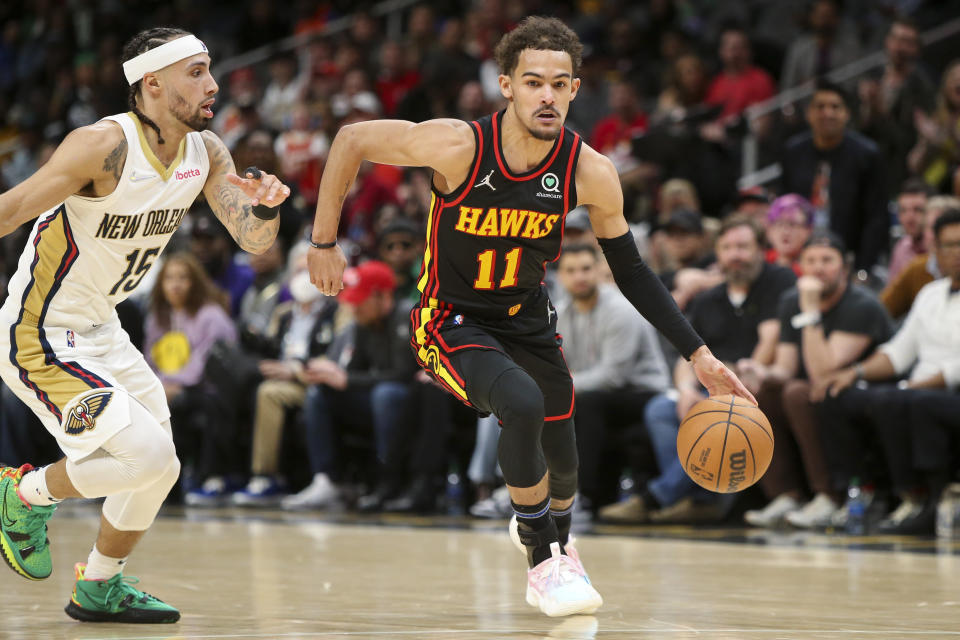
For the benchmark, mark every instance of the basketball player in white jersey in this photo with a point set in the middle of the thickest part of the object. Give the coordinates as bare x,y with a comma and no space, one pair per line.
108,201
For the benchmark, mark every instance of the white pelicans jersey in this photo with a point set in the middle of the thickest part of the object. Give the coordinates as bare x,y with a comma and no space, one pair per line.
88,254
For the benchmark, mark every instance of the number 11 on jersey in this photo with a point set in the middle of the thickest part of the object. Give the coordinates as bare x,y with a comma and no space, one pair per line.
487,259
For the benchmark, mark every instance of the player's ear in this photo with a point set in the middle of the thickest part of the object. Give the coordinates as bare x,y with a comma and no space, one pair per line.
574,88
506,88
151,84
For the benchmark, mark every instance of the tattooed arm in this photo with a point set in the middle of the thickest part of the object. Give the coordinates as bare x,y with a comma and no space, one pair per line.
232,198
88,162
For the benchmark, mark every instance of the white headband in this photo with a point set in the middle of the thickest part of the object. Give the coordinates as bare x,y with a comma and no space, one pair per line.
162,56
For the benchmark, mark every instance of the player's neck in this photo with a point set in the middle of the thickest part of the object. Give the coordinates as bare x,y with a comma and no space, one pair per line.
173,132
521,151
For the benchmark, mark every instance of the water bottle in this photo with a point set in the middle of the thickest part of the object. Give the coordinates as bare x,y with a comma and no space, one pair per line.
454,491
948,513
625,485
856,509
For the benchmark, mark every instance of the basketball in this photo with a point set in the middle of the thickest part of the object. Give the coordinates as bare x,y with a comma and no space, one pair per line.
725,444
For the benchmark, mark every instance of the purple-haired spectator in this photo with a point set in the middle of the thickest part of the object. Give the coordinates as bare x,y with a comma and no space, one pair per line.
789,224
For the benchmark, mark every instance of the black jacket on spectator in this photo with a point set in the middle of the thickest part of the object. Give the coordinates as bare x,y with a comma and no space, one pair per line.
858,194
321,334
731,332
376,354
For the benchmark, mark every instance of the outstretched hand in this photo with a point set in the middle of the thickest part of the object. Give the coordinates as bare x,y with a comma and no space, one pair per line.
716,377
261,187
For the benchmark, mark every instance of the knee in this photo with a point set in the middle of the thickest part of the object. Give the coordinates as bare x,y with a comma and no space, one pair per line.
518,400
388,396
158,458
796,393
661,414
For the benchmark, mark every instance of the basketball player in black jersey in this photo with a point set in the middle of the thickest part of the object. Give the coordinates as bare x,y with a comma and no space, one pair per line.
485,329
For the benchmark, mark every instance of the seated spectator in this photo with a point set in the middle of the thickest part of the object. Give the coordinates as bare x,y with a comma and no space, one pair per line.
900,293
936,156
363,381
838,172
739,83
301,330
737,319
211,244
612,136
614,357
890,98
687,250
400,246
283,92
826,323
911,211
927,347
789,224
301,149
260,301
826,47
395,78
753,202
186,317
685,88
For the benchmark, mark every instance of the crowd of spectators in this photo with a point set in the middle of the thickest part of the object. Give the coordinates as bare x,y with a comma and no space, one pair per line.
831,288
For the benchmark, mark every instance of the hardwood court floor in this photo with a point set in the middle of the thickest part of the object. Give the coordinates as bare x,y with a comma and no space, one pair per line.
270,575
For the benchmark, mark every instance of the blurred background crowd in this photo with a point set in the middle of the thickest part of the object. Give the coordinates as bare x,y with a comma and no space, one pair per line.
790,168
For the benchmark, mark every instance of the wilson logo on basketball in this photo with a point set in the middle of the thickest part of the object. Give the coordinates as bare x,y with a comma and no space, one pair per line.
738,470
186,175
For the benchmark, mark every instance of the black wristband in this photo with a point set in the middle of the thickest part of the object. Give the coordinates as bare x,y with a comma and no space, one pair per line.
323,245
264,212
641,286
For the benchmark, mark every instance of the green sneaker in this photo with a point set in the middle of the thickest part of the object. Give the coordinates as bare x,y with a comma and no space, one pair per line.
23,528
115,600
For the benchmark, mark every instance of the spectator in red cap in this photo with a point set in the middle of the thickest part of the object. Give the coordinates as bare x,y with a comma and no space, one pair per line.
789,224
363,380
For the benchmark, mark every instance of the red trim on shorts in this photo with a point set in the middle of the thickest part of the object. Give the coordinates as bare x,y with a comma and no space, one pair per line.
573,392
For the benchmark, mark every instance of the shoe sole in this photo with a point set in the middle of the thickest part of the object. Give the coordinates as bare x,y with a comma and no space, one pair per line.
10,557
77,612
584,608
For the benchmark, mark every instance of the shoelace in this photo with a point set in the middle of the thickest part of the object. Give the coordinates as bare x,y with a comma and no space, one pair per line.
125,585
564,570
38,532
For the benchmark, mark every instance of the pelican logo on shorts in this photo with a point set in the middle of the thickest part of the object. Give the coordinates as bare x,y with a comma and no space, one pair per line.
83,416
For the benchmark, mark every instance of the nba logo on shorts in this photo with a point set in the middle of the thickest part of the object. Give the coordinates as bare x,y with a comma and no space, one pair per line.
458,319
71,339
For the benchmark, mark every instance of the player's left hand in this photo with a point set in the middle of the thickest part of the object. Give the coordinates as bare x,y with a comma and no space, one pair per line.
261,187
716,377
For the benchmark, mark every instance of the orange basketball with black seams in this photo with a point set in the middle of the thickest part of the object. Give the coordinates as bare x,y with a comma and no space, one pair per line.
725,443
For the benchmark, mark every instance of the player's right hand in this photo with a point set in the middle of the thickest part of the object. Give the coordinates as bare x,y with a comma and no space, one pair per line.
326,269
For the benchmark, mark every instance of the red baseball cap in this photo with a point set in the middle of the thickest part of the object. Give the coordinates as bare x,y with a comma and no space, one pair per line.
361,281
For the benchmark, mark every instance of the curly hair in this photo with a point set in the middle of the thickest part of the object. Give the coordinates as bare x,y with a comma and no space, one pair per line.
140,43
541,33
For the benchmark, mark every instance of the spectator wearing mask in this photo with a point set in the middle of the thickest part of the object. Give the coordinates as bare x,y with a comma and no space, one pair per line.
737,319
826,323
614,357
789,224
302,330
363,381
927,348
839,172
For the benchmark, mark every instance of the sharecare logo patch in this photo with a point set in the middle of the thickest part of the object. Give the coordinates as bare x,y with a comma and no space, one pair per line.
184,175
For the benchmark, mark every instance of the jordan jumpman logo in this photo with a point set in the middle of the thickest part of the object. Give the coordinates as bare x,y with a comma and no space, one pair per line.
486,182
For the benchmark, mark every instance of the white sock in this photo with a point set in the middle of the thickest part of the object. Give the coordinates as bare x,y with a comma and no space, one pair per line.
33,488
101,567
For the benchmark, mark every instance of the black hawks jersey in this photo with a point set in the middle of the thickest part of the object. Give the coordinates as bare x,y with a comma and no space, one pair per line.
488,241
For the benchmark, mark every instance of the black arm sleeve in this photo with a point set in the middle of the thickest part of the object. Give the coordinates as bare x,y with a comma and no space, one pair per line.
647,294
